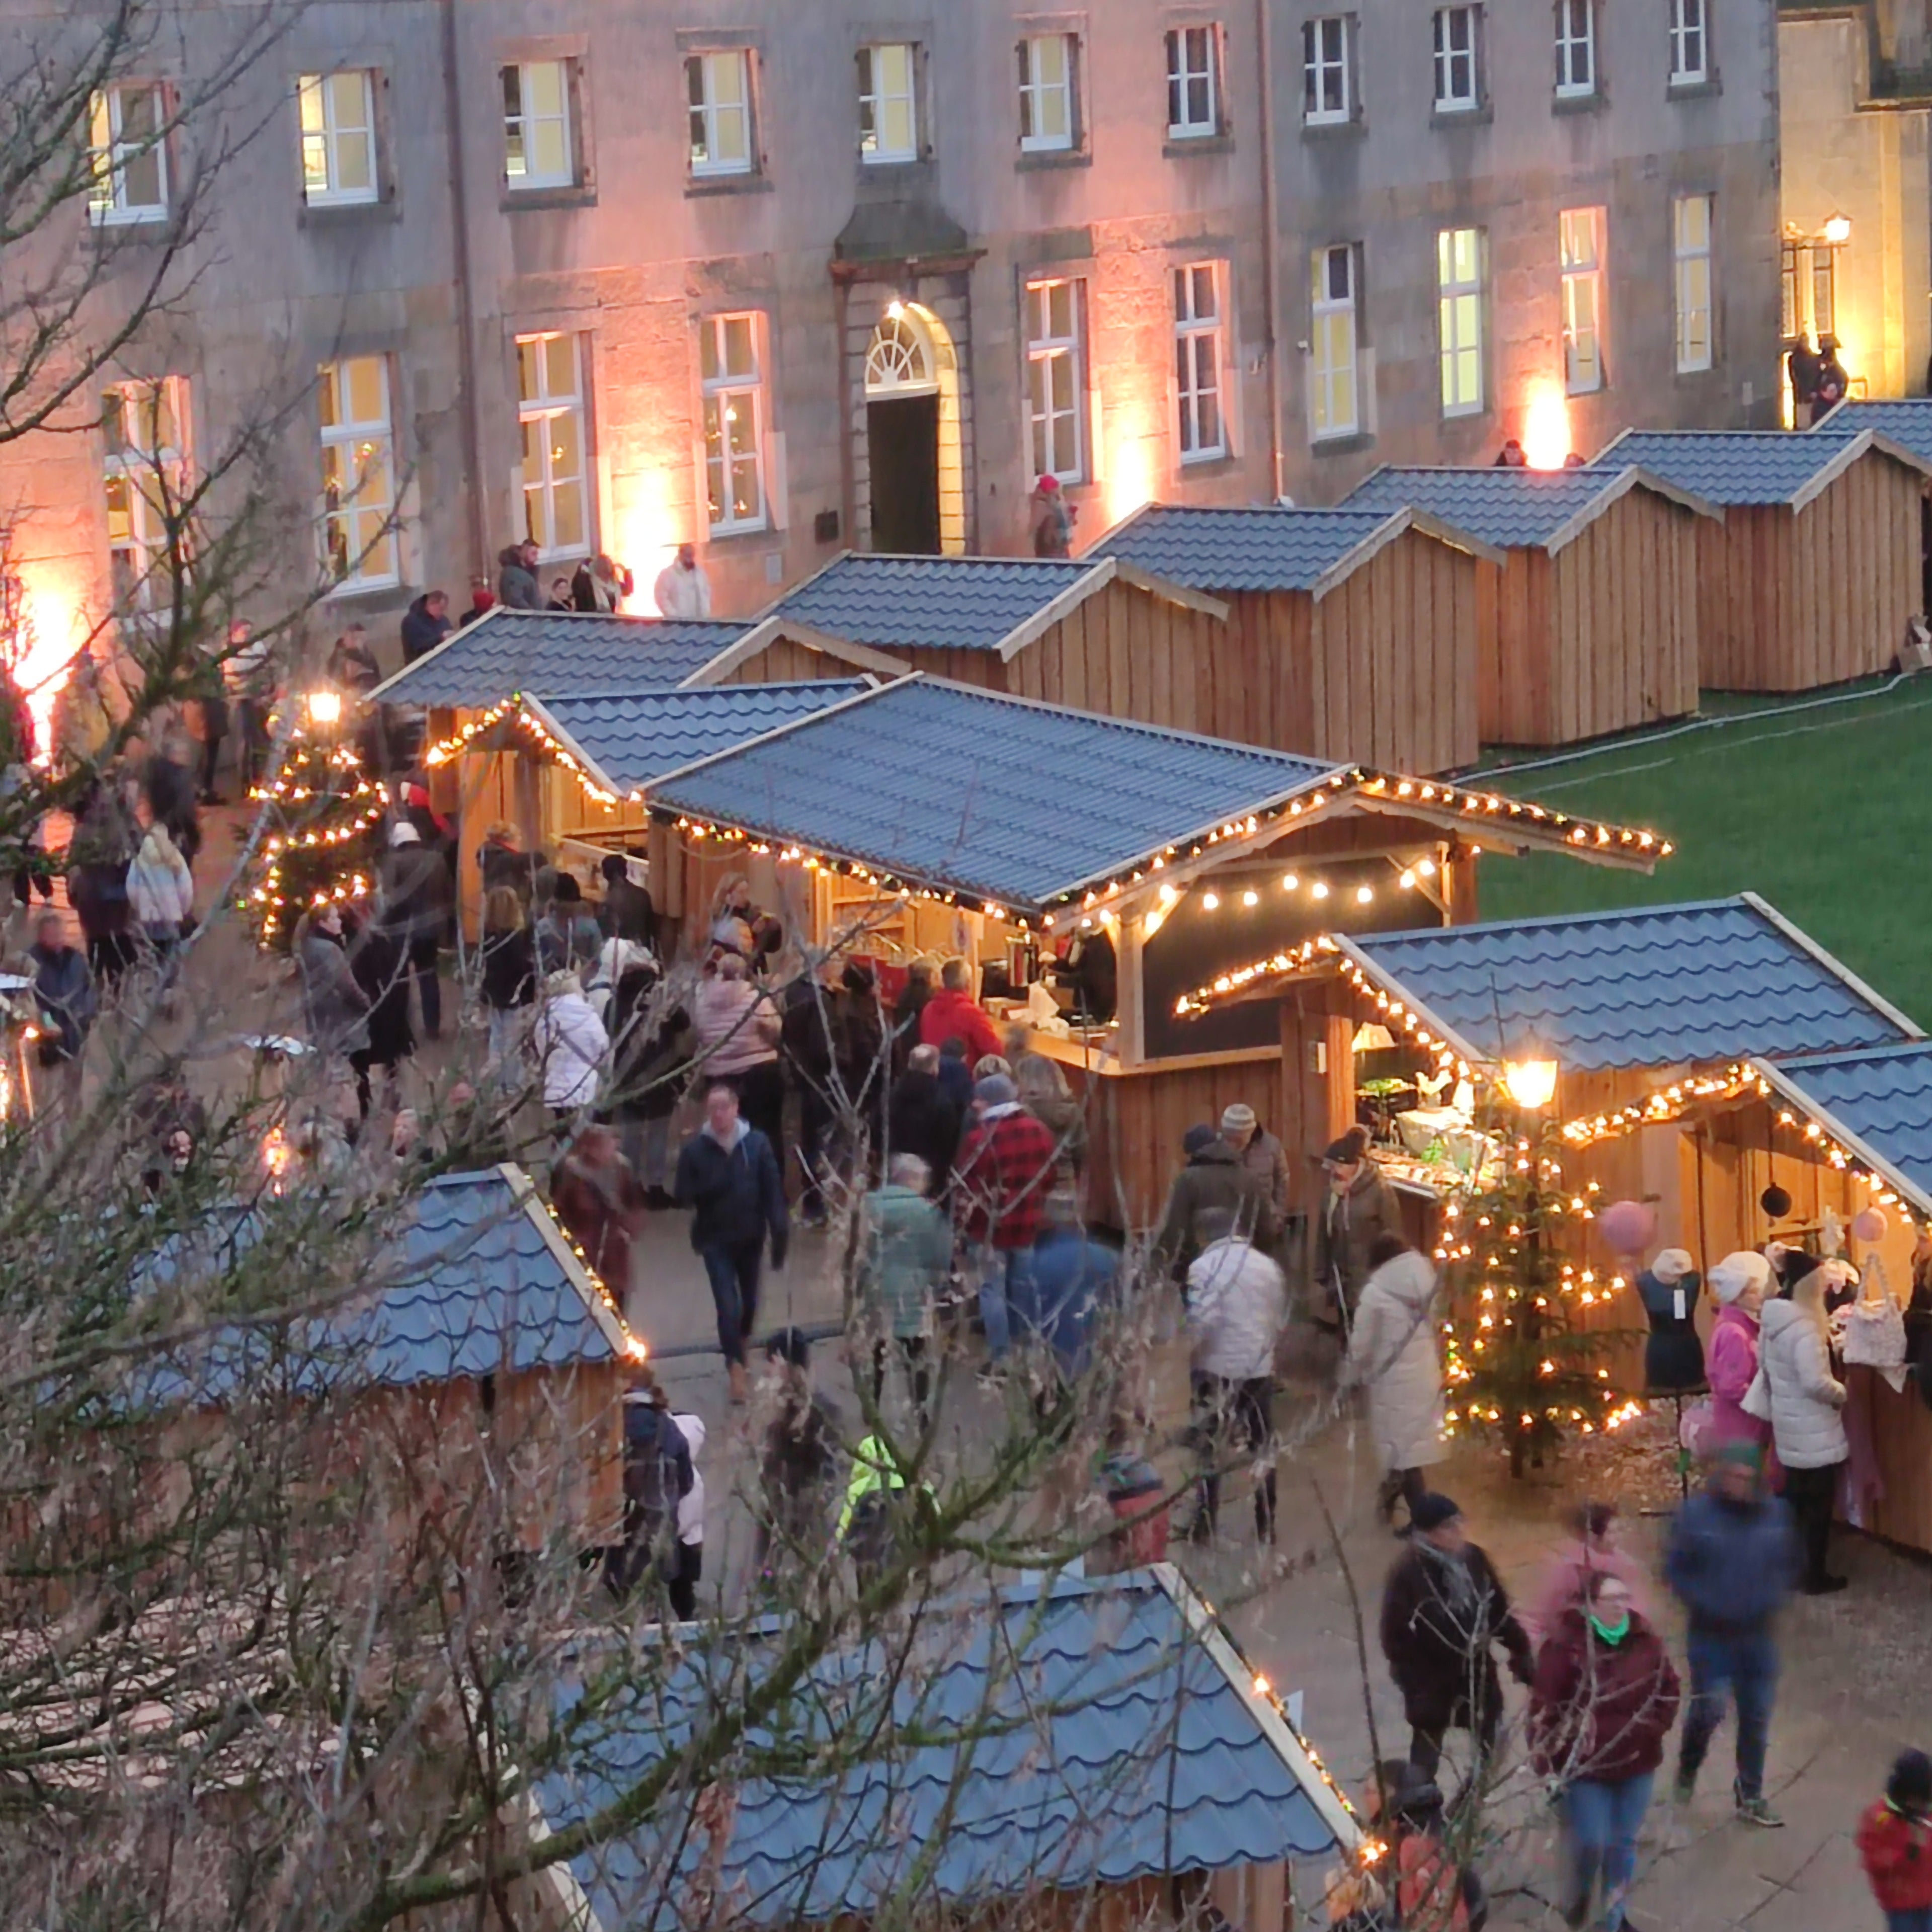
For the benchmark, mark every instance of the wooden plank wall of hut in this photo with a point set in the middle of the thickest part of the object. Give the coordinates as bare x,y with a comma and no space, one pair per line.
784,661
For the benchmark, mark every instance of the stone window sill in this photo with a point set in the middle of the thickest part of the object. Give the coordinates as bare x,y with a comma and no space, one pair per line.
515,200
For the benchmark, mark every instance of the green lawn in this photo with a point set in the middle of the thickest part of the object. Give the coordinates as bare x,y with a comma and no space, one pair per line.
1826,813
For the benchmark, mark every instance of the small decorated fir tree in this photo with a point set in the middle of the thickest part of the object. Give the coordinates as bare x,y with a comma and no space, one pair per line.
325,814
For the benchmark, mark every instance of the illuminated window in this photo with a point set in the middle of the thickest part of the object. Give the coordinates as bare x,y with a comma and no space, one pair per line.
1198,361
1459,318
549,409
1333,343
1046,93
1455,78
144,426
1193,83
537,149
1324,69
1690,219
338,136
888,109
1576,49
130,155
1579,245
734,447
1056,380
359,474
719,88
1689,59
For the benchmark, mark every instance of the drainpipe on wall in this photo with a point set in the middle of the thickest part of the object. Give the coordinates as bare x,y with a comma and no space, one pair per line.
1271,278
848,481
466,342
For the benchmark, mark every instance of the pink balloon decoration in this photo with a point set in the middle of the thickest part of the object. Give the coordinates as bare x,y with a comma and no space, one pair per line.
1870,1224
1629,1226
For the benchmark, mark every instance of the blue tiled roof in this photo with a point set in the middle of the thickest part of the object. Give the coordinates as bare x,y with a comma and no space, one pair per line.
1071,1737
632,740
1732,467
469,1286
1656,986
1270,549
931,603
1907,420
969,791
541,653
1883,1098
1512,509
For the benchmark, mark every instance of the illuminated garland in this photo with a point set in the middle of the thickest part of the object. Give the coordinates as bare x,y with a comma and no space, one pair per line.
1667,1104
272,901
547,741
634,1346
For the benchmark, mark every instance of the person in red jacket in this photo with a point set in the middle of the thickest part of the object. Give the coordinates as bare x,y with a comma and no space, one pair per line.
1603,1700
953,1013
1001,1178
1895,1845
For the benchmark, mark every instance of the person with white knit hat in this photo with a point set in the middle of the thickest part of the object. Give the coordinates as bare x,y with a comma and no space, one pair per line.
1738,1285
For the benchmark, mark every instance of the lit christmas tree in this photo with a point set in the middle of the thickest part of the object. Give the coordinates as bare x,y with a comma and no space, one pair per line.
325,813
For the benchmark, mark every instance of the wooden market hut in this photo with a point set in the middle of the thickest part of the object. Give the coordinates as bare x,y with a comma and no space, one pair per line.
1086,1751
1351,633
1590,624
1815,571
928,817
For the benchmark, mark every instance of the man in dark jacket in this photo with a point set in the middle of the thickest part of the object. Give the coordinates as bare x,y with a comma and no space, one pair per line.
64,992
629,913
517,586
425,624
727,1172
658,1475
1734,1557
1443,1609
921,1119
416,908
1214,1193
1359,1207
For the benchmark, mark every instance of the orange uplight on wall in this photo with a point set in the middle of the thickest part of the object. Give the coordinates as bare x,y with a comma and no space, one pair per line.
648,526
48,634
1546,429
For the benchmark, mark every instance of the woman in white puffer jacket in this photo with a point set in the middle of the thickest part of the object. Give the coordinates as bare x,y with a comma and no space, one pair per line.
1392,1354
1794,1359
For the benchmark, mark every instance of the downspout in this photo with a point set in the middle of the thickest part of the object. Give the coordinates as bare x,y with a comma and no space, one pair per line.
466,319
1271,278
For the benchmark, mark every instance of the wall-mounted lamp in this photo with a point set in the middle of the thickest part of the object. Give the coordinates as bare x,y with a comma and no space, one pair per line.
1838,230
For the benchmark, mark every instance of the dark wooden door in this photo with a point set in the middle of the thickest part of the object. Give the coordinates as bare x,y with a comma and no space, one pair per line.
903,434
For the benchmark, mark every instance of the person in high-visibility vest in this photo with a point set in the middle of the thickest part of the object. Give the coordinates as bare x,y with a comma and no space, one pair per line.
864,1519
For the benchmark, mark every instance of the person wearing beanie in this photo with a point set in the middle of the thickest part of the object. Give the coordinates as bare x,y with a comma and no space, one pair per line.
1261,1153
1895,1845
1050,518
1806,1400
1444,1611
412,911
567,935
1359,1207
1213,1195
1001,1178
1738,1285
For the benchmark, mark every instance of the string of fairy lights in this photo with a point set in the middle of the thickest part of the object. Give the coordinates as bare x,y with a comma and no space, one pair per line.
273,901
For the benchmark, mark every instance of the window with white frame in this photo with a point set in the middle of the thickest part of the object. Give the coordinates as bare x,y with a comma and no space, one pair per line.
1193,83
130,160
1459,318
718,87
338,136
537,150
1324,69
550,412
358,474
734,445
1690,229
1580,248
1199,360
1576,48
1056,379
1690,54
1456,90
888,107
144,424
1332,344
1047,123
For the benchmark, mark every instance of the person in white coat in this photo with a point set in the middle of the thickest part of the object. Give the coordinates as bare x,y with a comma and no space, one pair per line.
681,1587
1807,1429
1392,1355
682,589
571,1045
160,891
1237,1304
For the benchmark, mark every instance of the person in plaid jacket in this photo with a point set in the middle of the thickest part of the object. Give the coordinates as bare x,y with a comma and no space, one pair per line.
1000,1180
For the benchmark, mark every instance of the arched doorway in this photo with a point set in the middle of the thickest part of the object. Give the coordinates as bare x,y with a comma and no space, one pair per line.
912,436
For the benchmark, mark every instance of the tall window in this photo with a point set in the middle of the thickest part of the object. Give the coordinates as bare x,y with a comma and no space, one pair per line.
1824,291
888,114
718,87
734,458
338,136
1193,83
1056,379
143,425
1576,49
358,473
1690,218
1580,243
537,150
1332,338
1456,90
129,156
1046,93
1198,361
1690,58
549,409
1459,318
1324,69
